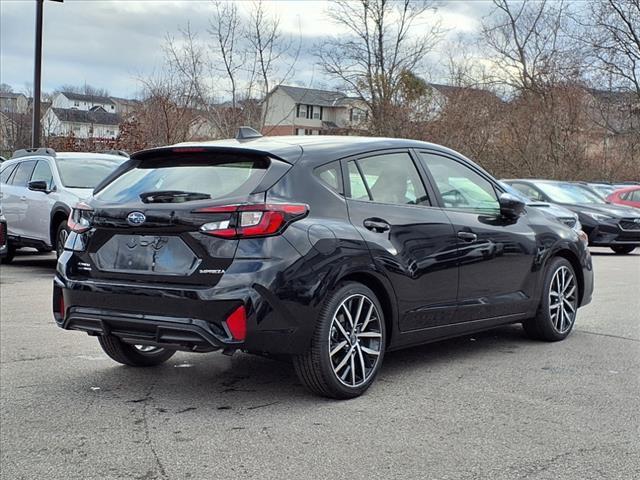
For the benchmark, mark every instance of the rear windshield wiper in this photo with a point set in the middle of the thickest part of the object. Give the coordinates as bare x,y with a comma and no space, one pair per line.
172,196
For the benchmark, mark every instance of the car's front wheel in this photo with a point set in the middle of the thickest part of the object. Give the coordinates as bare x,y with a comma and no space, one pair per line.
348,344
559,303
134,355
62,233
623,249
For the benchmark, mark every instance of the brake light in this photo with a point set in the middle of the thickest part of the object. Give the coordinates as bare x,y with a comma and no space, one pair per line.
237,323
80,218
253,220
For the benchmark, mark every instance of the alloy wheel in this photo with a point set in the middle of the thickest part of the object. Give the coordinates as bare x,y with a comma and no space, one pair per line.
355,340
563,299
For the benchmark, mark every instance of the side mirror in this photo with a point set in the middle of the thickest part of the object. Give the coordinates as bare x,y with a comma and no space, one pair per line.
39,186
510,206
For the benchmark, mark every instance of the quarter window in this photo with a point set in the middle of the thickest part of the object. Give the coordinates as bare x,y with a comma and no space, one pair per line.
459,186
331,175
6,173
389,178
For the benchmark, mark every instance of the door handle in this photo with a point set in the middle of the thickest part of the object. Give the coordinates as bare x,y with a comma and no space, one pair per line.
467,236
23,198
376,225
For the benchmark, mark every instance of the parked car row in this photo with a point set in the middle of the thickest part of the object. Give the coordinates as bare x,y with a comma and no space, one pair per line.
39,189
606,224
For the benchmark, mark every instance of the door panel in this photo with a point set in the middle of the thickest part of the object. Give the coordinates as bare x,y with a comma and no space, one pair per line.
14,199
39,205
413,243
496,255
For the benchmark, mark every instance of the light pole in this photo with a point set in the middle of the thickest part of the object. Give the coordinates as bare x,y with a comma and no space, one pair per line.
37,76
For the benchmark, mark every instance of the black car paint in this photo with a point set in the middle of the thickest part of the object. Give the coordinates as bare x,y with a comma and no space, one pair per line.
431,283
603,233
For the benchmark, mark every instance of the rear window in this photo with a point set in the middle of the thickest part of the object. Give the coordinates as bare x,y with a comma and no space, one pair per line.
86,172
178,180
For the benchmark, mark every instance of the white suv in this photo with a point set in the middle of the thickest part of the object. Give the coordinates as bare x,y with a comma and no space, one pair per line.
38,189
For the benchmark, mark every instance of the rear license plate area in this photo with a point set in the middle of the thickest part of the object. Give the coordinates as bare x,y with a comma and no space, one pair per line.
147,255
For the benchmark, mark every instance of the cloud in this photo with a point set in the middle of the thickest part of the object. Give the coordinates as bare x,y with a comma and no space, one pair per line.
110,43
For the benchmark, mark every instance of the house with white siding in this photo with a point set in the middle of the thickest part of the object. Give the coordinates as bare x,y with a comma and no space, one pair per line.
309,111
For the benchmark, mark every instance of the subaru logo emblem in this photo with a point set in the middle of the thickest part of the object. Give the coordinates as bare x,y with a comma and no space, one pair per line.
136,218
636,220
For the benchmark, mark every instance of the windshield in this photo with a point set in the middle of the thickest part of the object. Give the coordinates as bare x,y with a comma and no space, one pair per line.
86,172
180,180
568,193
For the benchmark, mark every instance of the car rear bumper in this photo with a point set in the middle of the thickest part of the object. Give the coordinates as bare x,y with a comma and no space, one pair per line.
187,316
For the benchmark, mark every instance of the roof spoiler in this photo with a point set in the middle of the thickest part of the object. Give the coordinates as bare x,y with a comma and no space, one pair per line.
26,152
120,153
247,133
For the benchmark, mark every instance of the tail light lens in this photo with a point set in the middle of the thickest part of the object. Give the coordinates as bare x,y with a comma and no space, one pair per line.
80,218
253,220
237,323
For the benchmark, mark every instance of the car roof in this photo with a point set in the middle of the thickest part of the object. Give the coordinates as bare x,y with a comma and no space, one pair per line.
293,147
65,155
630,188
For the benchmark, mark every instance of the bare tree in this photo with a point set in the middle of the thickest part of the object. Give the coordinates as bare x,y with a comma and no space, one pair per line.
613,38
385,40
530,45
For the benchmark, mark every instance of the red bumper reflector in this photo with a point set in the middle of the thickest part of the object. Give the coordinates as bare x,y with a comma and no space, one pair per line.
237,323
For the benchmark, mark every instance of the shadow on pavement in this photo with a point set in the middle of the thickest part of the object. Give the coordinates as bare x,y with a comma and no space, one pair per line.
214,381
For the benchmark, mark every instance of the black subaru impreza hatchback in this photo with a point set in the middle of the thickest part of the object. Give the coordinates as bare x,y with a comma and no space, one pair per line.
328,250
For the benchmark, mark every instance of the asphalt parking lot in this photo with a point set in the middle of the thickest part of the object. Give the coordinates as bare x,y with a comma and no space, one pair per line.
490,406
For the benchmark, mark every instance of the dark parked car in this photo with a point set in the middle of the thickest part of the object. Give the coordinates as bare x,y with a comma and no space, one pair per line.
607,225
329,250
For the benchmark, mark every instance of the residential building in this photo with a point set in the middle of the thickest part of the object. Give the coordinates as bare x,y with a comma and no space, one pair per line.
13,102
95,123
78,101
307,111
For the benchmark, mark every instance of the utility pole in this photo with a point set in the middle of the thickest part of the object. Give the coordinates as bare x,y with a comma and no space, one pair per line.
37,76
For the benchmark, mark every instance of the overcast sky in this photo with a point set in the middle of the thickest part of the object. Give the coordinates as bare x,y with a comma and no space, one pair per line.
109,43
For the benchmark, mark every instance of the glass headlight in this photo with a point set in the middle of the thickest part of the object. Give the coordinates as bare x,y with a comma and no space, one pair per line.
599,217
577,226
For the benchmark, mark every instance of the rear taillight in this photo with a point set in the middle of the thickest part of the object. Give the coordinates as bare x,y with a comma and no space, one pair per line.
253,220
237,323
80,218
3,235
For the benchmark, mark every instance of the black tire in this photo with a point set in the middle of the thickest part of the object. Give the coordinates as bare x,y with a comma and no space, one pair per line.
62,232
623,249
130,355
9,256
544,326
315,368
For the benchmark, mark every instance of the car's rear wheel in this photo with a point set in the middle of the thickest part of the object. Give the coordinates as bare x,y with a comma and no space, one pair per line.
623,249
559,303
134,355
348,344
62,233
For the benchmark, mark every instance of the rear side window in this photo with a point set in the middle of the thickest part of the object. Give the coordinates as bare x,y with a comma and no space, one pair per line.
6,173
389,178
23,173
331,175
175,180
